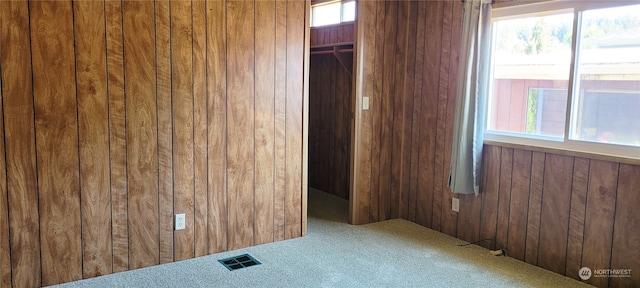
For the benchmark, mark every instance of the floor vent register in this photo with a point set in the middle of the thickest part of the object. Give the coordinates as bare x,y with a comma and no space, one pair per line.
239,262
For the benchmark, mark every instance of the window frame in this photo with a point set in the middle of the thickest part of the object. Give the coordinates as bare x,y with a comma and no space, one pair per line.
564,143
342,3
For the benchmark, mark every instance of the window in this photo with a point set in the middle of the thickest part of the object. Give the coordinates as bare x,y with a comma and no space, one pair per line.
333,13
566,74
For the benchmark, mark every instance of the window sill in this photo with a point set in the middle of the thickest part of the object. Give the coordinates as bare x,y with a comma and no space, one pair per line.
560,151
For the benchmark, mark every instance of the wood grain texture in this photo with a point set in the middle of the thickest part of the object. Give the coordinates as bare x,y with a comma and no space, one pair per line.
387,110
131,118
17,93
93,129
264,120
141,125
599,218
554,216
294,117
576,217
519,204
217,123
624,251
5,248
182,106
429,112
362,124
165,130
416,111
449,218
201,241
280,121
54,93
240,121
117,136
535,208
491,180
376,106
504,197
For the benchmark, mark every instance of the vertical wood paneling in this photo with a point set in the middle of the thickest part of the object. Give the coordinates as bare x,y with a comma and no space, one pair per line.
450,218
429,114
117,136
182,106
129,110
200,127
387,110
280,120
576,216
443,92
504,197
19,131
531,202
362,145
519,204
54,92
599,218
93,123
416,110
165,130
624,251
264,117
5,249
141,125
376,109
535,206
554,216
295,61
401,139
491,181
217,125
240,121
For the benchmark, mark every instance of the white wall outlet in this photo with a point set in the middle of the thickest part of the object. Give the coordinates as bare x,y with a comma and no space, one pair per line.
365,103
455,204
180,221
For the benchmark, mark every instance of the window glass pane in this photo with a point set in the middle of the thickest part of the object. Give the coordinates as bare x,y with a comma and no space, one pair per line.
607,98
326,14
348,11
531,61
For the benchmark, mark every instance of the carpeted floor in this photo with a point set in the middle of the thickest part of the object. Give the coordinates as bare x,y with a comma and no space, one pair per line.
394,253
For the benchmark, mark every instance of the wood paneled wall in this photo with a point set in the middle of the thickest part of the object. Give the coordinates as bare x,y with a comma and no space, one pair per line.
116,115
340,33
558,212
330,105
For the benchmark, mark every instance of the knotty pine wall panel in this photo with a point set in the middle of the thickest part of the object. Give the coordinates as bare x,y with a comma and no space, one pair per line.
127,102
540,206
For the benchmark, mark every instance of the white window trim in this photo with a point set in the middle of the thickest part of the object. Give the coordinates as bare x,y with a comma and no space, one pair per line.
341,12
564,144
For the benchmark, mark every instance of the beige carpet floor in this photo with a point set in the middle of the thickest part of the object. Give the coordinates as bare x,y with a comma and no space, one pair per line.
394,253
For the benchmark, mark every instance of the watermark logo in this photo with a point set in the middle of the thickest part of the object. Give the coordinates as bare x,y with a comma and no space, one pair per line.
584,273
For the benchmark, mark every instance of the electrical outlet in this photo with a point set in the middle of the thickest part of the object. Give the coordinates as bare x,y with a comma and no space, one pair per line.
180,221
455,204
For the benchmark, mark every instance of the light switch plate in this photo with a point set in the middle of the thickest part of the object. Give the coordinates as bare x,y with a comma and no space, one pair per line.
455,204
365,103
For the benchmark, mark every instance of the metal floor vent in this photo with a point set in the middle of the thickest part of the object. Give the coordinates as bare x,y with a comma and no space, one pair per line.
239,262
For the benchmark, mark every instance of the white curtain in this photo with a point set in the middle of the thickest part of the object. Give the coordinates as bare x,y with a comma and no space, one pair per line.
472,93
